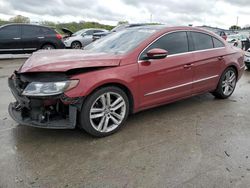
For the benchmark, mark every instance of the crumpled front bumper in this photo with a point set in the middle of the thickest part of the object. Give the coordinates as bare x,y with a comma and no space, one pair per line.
61,123
31,112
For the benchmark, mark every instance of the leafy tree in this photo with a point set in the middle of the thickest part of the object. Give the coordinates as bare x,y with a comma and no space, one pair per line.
19,19
73,26
2,22
122,22
246,26
48,23
234,27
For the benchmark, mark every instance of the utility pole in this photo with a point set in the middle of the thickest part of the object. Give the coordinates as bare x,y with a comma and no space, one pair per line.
237,21
151,16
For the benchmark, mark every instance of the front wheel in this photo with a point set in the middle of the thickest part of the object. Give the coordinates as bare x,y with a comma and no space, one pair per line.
76,45
227,84
104,111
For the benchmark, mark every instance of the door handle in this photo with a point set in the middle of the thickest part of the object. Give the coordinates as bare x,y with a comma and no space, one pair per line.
17,38
220,58
40,37
188,66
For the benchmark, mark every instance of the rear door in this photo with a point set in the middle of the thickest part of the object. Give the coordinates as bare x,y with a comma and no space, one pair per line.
30,37
167,79
208,61
10,39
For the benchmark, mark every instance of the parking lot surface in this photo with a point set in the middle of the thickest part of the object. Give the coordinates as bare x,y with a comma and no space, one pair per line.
197,142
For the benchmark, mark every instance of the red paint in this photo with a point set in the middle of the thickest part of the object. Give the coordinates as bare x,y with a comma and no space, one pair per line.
144,77
58,36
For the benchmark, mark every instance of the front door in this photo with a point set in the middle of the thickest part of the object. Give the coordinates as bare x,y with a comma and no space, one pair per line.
168,79
10,39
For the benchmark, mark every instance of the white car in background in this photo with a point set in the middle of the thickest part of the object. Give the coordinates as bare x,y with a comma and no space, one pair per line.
81,38
235,40
247,59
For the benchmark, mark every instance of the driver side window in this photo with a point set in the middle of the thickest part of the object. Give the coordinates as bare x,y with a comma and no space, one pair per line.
174,43
89,32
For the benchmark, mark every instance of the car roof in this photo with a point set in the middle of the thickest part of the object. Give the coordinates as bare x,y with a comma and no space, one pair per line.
92,29
170,28
35,25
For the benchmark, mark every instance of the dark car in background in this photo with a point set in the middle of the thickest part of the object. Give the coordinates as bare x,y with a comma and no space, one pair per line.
26,38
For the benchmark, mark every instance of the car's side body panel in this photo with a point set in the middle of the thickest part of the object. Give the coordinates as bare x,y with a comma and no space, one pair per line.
207,67
158,82
165,79
29,38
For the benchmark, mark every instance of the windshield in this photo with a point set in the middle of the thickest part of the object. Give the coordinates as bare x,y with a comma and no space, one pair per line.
120,42
79,32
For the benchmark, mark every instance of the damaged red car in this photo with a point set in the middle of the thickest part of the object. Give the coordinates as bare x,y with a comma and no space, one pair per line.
125,72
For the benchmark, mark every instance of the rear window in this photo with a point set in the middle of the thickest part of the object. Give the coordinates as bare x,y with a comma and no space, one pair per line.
29,31
34,31
202,41
47,31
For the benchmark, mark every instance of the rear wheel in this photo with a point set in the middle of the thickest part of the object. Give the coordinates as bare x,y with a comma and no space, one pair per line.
104,112
76,45
48,47
226,84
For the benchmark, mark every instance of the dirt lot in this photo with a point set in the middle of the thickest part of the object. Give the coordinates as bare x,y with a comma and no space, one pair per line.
198,142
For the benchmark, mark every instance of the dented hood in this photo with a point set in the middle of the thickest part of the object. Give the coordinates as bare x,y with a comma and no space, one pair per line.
64,60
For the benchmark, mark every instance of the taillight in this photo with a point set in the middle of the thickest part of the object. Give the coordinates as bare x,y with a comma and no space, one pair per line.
59,36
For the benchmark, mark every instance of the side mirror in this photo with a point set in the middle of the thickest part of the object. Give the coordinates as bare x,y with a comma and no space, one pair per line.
83,35
157,53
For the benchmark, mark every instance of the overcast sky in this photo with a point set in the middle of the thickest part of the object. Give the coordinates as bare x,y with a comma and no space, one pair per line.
219,13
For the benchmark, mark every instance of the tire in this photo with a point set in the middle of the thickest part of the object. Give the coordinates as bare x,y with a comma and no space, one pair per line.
98,117
48,47
227,84
248,67
76,45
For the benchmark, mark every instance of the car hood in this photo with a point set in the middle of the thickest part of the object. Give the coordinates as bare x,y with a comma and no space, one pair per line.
74,37
65,60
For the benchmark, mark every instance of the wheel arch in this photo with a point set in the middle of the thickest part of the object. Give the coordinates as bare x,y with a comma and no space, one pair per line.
235,68
122,87
48,43
76,41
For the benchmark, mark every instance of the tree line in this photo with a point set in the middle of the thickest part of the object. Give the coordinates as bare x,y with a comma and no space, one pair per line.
72,26
76,26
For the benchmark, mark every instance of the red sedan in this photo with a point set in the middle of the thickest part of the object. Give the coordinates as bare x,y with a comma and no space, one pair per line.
123,73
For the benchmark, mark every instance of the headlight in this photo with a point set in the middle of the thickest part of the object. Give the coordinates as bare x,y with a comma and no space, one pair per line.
49,88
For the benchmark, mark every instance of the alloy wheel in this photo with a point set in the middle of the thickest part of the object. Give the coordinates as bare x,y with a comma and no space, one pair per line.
76,45
229,83
107,112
